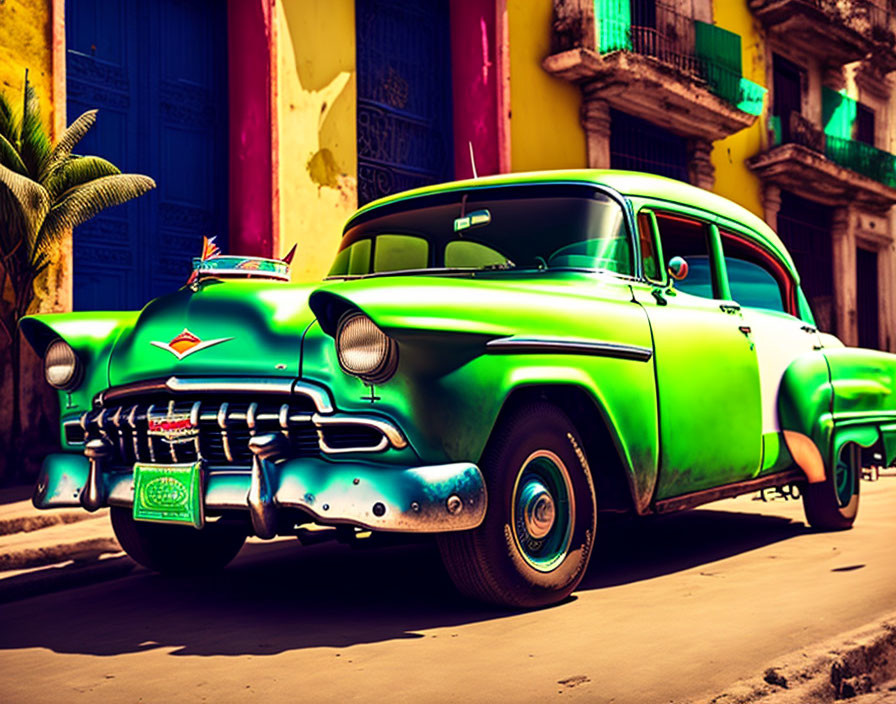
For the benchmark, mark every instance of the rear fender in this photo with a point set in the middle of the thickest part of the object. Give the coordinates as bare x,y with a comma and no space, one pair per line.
835,396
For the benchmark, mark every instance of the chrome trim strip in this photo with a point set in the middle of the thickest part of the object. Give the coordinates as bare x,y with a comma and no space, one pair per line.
391,434
532,345
260,385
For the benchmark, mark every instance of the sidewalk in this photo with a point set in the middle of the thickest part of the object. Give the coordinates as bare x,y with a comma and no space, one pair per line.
43,551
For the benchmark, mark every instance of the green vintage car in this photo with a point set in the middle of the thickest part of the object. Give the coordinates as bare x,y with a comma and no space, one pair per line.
497,362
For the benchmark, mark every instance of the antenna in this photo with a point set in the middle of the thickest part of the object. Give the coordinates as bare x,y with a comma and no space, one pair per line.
473,160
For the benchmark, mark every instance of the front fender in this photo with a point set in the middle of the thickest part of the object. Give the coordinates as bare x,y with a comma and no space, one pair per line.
92,335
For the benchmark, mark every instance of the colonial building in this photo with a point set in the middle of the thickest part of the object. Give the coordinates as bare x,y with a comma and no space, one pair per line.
664,86
267,122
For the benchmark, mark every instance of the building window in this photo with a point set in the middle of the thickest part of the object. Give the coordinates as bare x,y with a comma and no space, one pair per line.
867,298
787,83
864,124
638,145
805,228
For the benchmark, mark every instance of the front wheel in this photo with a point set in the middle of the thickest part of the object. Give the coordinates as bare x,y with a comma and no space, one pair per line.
834,503
533,547
172,549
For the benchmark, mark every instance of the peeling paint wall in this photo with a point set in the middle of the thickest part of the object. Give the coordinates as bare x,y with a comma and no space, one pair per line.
733,179
316,105
25,42
545,130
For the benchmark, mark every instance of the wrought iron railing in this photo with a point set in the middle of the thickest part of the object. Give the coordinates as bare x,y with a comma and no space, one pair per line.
862,158
702,51
854,155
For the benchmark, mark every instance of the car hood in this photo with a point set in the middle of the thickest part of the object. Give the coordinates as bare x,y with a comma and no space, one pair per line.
243,328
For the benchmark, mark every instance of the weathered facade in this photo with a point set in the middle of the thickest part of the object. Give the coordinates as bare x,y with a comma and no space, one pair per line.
800,92
828,175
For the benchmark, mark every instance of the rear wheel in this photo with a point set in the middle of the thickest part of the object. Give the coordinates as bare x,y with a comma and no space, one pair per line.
533,547
834,503
172,549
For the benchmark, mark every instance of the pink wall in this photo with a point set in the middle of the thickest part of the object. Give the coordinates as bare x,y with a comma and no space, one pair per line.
252,191
480,85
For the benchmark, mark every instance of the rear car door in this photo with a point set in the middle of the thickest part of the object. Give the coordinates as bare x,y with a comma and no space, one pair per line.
706,366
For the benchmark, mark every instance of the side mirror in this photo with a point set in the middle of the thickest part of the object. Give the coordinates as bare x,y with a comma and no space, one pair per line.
678,268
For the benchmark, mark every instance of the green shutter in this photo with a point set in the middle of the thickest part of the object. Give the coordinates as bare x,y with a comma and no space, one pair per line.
614,19
838,113
751,97
720,57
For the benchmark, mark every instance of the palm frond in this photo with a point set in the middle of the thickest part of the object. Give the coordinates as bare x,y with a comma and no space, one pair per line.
31,197
10,158
75,171
8,126
82,202
34,144
67,142
13,225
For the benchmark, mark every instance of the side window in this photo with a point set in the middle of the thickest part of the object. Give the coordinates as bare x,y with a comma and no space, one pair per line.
649,257
398,252
755,278
686,238
752,286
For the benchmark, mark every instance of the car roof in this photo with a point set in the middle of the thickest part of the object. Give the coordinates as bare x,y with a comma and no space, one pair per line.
628,183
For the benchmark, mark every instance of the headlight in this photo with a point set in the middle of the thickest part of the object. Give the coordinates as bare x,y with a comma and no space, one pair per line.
364,350
62,369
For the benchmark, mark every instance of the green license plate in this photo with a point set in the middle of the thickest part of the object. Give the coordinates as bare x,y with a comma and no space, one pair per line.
169,493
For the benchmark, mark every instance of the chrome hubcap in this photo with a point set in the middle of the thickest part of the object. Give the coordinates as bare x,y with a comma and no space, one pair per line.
538,511
543,510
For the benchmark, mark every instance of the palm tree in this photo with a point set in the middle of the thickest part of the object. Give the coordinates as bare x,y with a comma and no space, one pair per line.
45,191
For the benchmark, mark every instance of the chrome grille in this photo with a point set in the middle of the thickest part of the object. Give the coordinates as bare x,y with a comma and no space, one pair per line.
188,430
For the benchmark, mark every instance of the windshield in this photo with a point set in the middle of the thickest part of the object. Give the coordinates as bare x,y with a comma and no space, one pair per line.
522,227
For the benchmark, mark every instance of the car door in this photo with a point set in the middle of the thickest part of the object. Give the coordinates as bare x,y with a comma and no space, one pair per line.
705,361
767,294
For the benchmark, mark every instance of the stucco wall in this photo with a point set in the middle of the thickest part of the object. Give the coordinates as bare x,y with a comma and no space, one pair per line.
733,179
545,129
25,32
316,102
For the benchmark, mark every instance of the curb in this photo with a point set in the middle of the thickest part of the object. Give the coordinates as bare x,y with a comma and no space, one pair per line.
856,663
67,576
28,524
79,551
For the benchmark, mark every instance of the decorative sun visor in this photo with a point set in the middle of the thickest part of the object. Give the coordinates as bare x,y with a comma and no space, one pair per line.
242,267
213,264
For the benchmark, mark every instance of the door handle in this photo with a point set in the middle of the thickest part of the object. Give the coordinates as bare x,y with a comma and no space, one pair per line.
809,329
730,308
658,295
745,329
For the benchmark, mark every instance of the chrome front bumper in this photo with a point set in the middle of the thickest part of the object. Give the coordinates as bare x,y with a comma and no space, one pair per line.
381,497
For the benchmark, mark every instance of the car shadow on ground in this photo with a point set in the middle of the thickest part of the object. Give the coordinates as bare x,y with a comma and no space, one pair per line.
282,597
633,550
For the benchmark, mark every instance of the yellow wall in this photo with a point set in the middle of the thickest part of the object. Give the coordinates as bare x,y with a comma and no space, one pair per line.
317,143
25,42
733,179
545,129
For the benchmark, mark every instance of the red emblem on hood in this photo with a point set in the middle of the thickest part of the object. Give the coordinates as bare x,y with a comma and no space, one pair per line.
187,343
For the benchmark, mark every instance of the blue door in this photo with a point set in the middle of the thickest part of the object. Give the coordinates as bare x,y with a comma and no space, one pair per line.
157,72
403,60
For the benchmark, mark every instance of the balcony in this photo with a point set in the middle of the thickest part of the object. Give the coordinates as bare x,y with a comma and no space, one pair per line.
677,72
840,31
808,162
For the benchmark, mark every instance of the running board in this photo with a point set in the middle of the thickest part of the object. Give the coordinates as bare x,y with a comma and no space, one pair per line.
678,503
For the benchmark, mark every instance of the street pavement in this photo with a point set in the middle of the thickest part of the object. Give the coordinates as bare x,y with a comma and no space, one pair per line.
673,609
